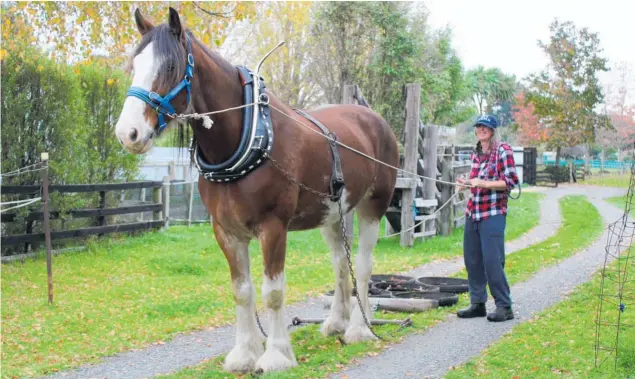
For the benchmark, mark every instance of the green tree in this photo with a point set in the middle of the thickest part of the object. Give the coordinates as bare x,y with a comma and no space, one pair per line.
490,88
41,111
345,37
444,91
103,93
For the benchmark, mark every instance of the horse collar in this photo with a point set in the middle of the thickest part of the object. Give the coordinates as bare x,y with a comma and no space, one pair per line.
256,139
161,104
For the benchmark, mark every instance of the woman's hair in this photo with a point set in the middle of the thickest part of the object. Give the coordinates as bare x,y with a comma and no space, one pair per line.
493,141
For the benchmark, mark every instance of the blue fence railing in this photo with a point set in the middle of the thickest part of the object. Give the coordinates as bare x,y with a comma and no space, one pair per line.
595,163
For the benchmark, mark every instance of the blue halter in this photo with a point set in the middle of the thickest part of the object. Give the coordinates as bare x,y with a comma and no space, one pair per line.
162,104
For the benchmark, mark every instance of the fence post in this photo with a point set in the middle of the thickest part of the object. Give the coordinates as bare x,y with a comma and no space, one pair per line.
157,199
166,201
189,194
47,225
172,170
430,141
142,199
446,191
413,95
101,220
348,97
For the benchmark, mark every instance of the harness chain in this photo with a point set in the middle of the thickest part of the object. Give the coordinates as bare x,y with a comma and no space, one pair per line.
260,325
347,247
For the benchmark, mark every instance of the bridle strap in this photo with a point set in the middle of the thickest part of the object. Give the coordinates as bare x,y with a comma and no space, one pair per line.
162,105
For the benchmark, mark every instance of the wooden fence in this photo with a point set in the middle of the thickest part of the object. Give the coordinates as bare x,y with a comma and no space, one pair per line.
99,215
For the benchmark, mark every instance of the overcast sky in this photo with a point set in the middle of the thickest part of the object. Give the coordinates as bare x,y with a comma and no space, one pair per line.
504,34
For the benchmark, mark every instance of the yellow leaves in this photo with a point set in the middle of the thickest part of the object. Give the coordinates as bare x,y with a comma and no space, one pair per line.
40,68
90,11
3,54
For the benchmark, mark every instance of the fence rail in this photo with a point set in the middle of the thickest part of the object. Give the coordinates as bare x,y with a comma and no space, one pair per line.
157,207
77,188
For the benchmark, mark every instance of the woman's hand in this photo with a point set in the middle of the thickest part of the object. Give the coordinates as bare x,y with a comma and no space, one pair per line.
479,183
463,183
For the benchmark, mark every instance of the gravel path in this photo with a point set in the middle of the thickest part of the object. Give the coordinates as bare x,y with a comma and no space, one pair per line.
192,348
451,343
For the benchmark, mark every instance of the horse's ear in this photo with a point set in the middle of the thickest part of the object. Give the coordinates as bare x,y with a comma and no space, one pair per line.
175,22
143,25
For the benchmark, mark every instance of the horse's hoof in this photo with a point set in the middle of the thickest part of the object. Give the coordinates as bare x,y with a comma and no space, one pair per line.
333,325
358,333
242,358
275,360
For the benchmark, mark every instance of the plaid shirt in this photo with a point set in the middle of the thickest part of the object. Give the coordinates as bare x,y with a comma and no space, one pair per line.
497,165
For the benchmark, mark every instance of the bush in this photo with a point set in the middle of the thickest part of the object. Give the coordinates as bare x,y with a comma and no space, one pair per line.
559,173
69,112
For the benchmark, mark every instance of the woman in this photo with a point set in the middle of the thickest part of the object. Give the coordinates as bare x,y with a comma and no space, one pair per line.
493,175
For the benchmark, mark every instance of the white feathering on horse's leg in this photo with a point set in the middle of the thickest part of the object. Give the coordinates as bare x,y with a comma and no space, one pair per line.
249,340
337,321
357,329
279,354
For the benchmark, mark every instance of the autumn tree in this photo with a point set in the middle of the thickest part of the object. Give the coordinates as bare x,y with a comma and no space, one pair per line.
566,93
530,131
621,114
287,70
77,30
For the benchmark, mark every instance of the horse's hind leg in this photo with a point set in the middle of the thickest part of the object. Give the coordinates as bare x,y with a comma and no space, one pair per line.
249,340
368,221
340,309
279,353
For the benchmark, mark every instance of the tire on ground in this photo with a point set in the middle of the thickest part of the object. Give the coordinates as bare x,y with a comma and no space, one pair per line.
454,285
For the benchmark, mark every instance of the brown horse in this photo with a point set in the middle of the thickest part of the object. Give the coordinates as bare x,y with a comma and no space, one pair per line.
264,200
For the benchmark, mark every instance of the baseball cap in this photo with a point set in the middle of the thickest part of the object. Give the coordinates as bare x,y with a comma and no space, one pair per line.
487,120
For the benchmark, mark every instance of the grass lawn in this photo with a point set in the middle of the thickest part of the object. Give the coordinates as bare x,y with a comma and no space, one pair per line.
612,180
619,202
127,293
560,341
319,356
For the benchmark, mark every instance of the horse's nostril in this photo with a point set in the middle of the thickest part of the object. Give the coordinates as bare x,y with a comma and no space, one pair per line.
133,135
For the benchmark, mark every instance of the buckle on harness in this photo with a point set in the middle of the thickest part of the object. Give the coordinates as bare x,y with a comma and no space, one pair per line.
337,185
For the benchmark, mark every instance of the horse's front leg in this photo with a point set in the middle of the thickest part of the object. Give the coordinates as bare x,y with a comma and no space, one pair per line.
249,340
279,353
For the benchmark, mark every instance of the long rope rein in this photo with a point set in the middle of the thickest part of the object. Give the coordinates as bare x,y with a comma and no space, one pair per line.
330,139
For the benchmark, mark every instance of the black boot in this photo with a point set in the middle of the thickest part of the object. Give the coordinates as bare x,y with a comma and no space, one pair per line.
474,310
501,314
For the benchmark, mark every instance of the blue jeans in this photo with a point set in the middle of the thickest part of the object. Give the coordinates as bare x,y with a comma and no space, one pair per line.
484,255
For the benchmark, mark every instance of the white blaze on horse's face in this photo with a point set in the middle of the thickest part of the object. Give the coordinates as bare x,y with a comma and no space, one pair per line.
133,129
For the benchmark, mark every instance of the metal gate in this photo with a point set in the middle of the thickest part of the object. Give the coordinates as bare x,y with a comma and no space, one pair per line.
529,165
